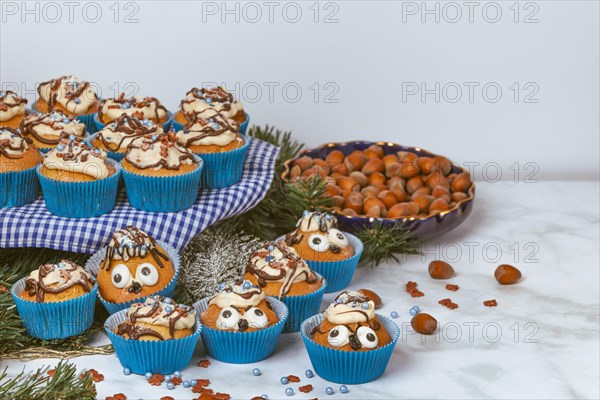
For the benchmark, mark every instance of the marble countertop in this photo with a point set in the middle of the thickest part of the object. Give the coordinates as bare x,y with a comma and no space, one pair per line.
541,341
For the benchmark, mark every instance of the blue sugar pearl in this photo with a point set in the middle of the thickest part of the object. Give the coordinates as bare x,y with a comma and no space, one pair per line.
193,382
126,371
215,126
144,247
339,301
2,94
305,213
168,309
256,372
71,137
222,286
177,374
208,100
246,285
264,396
309,373
167,300
170,386
329,390
60,147
126,105
344,389
77,101
186,384
65,121
289,392
414,311
394,314
284,380
364,306
269,258
271,248
148,375
168,378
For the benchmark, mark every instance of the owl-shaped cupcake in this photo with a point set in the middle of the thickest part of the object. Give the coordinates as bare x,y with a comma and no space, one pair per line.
135,267
350,324
239,306
317,238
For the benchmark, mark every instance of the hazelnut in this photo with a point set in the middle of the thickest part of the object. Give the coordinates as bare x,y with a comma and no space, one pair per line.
507,274
338,201
355,202
372,166
440,270
414,183
370,191
372,296
406,156
458,196
349,166
371,202
438,205
295,172
377,149
335,157
396,180
427,165
422,190
349,211
390,159
439,191
371,153
333,190
358,159
409,169
388,198
437,179
377,178
403,210
392,170
462,182
423,201
424,323
304,162
316,170
374,212
345,182
340,169
360,178
444,164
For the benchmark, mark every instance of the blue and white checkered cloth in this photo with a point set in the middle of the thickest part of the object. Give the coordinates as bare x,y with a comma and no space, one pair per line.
33,226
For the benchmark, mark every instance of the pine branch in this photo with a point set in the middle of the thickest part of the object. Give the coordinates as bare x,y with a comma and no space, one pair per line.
383,240
65,383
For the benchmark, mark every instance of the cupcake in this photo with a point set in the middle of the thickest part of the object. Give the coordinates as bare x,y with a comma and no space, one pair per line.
349,343
12,109
281,273
132,267
56,300
46,130
217,140
160,175
78,181
137,106
197,100
18,161
71,96
329,251
154,336
240,325
116,136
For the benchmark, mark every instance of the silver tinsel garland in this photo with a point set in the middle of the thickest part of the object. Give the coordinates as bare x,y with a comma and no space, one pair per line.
212,257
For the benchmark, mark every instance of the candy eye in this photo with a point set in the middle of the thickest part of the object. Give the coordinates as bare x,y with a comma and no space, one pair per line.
336,236
367,337
228,318
147,274
338,336
318,242
120,276
256,318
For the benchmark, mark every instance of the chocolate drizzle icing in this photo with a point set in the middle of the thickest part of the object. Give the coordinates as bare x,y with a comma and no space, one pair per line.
209,95
7,145
165,140
131,127
123,250
286,265
323,221
213,125
39,289
18,100
134,103
74,90
29,123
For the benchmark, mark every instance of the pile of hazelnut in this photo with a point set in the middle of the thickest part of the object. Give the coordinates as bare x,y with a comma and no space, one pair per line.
399,185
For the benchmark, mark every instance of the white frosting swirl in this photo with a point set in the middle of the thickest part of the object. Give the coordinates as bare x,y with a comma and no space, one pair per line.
75,95
209,127
52,126
316,222
11,105
234,295
350,307
158,310
206,98
123,130
60,275
73,155
156,152
12,144
136,106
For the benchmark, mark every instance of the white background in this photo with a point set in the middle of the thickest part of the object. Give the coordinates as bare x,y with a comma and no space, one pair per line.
366,58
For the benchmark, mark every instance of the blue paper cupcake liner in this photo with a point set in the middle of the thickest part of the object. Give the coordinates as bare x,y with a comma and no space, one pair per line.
242,347
158,357
93,266
18,188
98,126
243,126
111,154
224,169
163,193
81,199
56,320
86,119
349,367
338,274
302,307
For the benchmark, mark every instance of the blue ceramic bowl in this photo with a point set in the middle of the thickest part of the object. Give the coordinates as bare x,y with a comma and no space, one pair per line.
424,228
